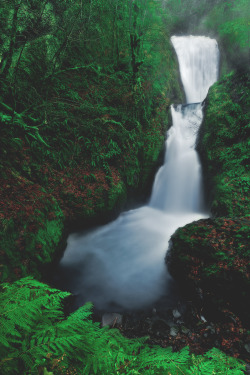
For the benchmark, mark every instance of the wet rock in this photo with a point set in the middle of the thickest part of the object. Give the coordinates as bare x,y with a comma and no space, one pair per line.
185,330
160,324
204,258
179,321
247,369
176,314
111,319
170,323
174,331
247,347
211,329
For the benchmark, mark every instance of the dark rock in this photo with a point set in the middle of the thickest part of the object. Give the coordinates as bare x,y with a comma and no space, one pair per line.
211,330
210,259
247,347
247,369
160,324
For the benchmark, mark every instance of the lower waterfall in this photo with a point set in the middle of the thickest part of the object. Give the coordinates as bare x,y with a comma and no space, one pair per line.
121,265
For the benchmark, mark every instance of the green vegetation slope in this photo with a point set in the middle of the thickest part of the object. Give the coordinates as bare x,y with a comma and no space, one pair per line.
85,89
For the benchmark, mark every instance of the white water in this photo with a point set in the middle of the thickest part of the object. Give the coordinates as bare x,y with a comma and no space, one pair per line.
198,60
178,184
121,265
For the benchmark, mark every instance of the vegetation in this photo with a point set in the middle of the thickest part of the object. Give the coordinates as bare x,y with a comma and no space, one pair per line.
228,103
43,341
227,21
216,259
83,116
84,90
231,20
213,255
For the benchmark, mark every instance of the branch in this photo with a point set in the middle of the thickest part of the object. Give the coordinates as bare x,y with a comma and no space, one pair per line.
69,69
11,111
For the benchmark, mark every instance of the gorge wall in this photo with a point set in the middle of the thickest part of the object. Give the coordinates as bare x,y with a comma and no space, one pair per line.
212,255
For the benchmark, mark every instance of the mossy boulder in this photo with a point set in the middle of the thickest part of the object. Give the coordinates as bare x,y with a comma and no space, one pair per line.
213,256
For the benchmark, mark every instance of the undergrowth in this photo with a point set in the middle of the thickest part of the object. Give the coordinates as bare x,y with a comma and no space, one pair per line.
81,123
36,337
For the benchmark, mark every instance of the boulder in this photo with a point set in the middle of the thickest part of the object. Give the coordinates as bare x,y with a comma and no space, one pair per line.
213,256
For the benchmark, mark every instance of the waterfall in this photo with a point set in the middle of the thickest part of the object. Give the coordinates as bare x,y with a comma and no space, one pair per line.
178,184
198,60
121,265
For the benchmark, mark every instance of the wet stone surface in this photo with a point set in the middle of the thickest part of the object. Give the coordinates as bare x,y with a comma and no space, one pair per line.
185,326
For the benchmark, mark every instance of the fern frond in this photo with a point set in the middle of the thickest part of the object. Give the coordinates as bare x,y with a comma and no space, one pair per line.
34,333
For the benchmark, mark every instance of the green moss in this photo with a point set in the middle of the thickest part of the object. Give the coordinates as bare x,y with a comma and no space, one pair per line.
48,237
94,142
24,251
117,195
224,146
214,254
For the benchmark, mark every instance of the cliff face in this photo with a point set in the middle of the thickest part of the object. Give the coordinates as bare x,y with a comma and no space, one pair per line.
213,254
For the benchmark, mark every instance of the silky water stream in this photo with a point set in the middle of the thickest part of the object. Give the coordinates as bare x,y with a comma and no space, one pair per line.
120,266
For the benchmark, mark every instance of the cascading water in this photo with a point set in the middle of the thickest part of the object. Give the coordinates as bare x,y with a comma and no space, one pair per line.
178,185
121,265
198,58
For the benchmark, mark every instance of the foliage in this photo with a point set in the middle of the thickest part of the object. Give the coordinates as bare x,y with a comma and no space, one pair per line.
225,157
227,21
230,20
36,337
84,91
214,254
31,221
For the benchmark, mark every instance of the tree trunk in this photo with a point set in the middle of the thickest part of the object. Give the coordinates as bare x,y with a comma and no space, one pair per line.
9,55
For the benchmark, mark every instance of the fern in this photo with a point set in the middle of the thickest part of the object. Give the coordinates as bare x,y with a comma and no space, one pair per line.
35,336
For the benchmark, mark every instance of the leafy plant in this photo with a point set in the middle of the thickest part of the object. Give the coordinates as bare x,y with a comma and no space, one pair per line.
36,337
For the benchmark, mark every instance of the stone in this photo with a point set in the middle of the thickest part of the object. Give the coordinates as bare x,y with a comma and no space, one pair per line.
203,319
185,330
211,329
176,314
174,331
247,347
160,324
247,369
111,319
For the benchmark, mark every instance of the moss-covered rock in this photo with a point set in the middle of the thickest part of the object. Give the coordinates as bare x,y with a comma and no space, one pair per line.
224,146
213,255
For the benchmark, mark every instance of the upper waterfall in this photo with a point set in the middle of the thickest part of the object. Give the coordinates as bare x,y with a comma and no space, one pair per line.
198,58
